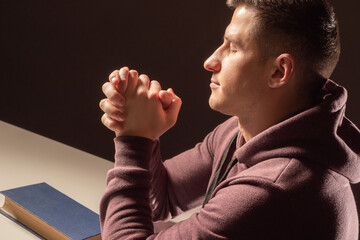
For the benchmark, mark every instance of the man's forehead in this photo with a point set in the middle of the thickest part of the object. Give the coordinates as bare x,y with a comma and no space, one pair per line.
242,10
232,31
241,24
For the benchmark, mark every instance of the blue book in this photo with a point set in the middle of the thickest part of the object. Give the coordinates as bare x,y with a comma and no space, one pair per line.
50,213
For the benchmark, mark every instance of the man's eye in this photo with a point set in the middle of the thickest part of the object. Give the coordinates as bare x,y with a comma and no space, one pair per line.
232,49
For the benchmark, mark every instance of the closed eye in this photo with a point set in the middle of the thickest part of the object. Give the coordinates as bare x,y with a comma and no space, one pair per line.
232,49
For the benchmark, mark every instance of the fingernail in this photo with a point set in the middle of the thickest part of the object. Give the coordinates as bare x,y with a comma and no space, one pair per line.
113,79
133,74
123,74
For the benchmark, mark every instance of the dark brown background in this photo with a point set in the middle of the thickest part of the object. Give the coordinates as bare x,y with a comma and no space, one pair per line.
55,55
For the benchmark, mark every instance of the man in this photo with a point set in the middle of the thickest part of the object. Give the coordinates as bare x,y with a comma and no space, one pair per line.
278,169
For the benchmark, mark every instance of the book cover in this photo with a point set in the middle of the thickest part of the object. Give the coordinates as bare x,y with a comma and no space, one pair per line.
50,213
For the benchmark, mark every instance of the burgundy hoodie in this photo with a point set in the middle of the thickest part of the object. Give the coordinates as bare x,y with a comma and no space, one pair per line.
290,182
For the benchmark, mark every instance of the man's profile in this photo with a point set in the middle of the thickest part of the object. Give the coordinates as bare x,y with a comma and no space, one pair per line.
279,168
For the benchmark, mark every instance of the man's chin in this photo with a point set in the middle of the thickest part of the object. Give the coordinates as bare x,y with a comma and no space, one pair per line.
218,106
212,103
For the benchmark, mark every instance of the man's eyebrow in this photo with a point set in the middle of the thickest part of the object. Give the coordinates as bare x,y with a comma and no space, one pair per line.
236,41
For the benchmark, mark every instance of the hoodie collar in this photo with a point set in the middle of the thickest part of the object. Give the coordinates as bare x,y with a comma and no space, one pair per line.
320,134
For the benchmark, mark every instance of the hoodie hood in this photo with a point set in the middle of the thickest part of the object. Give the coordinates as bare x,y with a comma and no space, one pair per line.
321,133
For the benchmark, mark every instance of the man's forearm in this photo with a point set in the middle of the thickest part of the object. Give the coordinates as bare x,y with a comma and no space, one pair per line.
125,211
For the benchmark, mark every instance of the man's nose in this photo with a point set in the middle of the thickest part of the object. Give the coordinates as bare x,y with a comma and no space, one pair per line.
213,63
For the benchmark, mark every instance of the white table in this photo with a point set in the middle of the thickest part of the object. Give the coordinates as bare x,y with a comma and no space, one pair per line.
27,158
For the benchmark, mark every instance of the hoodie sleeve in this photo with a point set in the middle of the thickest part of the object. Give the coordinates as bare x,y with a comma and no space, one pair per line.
144,188
125,210
141,188
179,184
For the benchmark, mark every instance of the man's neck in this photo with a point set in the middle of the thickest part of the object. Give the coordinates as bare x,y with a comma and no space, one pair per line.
270,115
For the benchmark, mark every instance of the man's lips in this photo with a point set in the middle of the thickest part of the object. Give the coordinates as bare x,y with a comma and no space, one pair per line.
214,84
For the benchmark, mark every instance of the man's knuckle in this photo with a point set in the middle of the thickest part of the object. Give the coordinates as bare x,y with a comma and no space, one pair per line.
155,82
142,92
153,95
144,76
115,113
113,96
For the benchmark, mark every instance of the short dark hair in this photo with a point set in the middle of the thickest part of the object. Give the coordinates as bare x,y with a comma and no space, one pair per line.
307,29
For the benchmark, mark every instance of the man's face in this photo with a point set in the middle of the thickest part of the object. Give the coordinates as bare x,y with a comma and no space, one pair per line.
239,75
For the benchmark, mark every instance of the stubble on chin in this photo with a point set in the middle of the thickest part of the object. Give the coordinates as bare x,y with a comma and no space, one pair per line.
217,105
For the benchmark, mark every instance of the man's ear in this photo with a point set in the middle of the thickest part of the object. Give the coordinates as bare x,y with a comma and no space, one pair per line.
282,71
